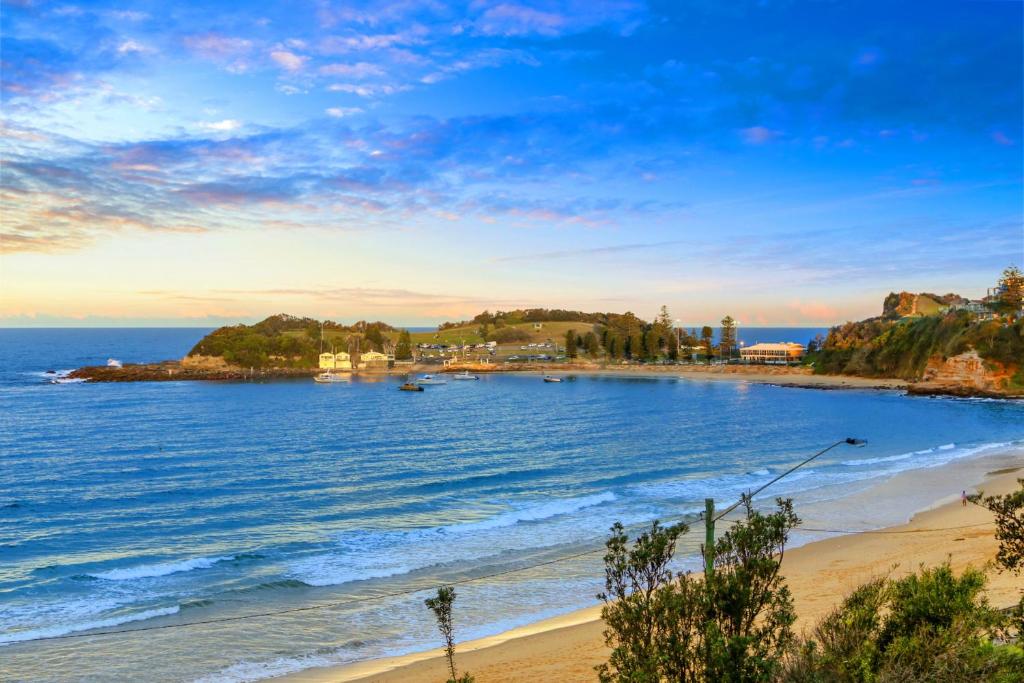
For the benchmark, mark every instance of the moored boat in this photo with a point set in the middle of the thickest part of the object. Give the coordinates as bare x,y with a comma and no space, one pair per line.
330,378
408,386
430,379
464,375
549,378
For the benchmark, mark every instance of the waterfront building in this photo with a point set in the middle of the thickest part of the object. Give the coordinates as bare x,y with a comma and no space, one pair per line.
374,359
335,361
783,352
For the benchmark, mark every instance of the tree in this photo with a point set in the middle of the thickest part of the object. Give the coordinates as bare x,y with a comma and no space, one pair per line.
570,344
727,339
374,339
1011,291
403,350
614,346
1009,517
734,625
591,345
636,345
441,606
706,338
652,344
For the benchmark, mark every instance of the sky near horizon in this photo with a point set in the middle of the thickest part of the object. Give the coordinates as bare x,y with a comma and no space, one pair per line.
788,163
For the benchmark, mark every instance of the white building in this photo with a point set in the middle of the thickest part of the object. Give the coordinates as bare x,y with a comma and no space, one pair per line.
335,361
783,352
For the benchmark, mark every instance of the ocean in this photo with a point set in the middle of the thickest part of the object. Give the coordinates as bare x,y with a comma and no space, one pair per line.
331,511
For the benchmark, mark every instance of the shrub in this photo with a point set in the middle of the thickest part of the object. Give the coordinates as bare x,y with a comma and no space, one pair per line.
929,626
733,625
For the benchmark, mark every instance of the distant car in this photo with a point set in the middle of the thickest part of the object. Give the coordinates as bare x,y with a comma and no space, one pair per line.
512,358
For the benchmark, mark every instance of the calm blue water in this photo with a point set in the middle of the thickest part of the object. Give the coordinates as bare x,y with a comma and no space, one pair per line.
131,505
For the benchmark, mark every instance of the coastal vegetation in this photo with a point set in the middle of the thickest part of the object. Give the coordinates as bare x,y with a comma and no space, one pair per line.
287,341
930,626
441,605
917,329
902,348
732,624
735,622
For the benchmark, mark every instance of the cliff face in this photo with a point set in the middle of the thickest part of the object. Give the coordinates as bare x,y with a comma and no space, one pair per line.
907,304
966,374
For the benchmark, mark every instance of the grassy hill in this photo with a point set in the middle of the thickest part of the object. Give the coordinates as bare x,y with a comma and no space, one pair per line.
469,333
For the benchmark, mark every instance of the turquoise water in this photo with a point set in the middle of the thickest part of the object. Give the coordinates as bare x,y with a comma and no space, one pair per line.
139,505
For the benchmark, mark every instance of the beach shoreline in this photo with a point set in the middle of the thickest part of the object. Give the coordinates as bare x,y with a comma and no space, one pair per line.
791,376
820,573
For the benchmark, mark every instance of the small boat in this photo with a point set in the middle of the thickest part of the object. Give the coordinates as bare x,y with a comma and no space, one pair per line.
410,387
430,379
114,363
549,378
330,378
464,375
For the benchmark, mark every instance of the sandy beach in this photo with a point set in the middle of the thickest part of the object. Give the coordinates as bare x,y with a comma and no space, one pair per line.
567,648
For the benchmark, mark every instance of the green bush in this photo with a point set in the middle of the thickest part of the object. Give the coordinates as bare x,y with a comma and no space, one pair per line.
733,625
929,626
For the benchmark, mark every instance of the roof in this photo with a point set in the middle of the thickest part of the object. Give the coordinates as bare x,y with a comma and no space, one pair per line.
775,346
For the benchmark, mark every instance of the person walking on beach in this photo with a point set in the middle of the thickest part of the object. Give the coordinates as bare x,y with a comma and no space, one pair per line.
963,498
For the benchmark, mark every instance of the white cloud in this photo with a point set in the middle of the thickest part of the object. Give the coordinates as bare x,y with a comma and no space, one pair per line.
288,60
221,126
359,70
130,46
341,112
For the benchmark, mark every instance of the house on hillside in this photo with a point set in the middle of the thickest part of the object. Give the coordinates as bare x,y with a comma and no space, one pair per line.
783,352
335,361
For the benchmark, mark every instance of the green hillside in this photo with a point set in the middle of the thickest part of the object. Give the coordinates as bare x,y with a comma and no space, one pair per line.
287,341
901,348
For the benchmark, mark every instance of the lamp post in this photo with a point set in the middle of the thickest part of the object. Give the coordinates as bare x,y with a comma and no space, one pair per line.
709,503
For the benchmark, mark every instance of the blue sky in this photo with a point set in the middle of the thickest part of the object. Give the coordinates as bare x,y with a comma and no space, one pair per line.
783,162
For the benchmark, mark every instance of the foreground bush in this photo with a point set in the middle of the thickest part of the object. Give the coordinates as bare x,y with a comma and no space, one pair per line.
734,624
930,626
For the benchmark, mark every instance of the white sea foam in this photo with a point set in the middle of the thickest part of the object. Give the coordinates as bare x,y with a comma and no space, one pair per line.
534,513
64,629
361,555
147,571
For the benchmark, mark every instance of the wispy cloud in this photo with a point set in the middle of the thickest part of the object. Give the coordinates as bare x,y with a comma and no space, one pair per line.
587,251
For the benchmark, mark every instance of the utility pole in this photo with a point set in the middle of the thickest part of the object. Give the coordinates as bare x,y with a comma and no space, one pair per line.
709,536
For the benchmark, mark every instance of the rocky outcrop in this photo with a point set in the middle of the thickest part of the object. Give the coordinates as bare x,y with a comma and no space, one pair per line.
966,374
173,371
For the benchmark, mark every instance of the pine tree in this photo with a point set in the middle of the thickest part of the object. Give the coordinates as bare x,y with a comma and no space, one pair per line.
403,350
590,344
706,337
570,344
636,345
727,341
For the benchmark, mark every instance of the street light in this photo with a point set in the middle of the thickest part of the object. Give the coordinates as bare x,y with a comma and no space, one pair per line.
709,503
850,441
